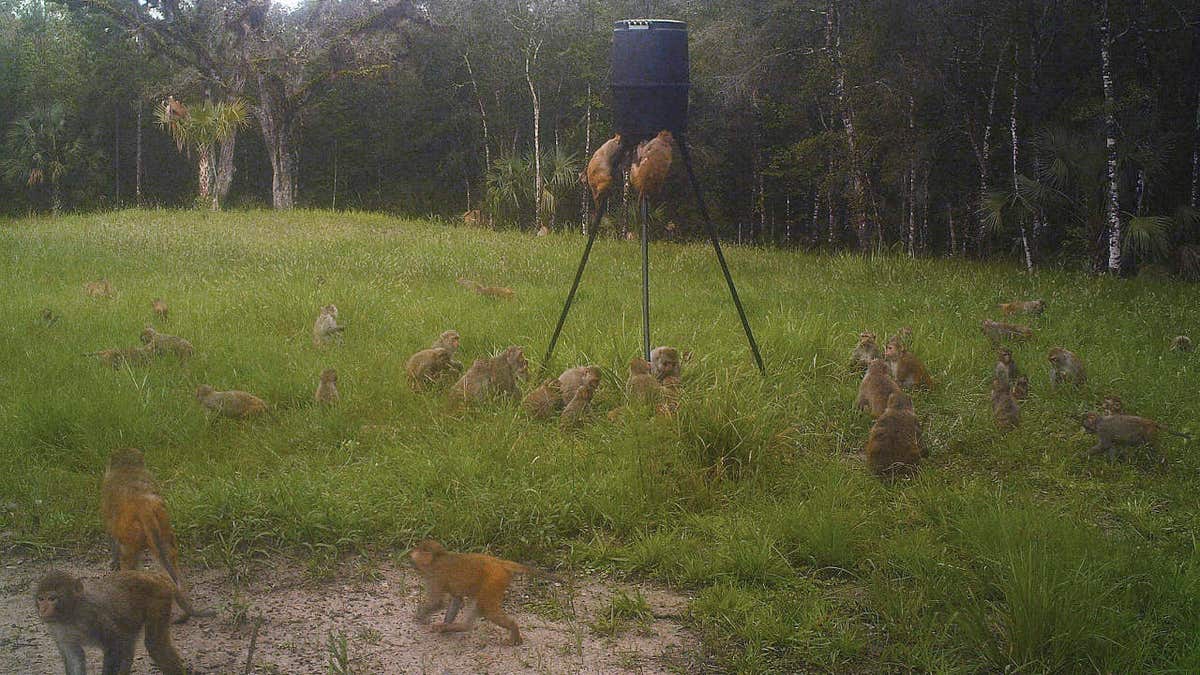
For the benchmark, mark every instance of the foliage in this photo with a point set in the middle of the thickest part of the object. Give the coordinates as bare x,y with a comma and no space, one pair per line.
40,149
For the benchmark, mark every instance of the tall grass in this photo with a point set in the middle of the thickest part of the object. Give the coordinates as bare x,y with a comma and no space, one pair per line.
1013,551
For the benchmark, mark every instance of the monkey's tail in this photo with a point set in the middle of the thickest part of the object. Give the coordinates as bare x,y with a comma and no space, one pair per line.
1186,437
189,611
518,568
159,529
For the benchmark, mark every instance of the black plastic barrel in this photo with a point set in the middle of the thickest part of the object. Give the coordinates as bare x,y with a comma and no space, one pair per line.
649,77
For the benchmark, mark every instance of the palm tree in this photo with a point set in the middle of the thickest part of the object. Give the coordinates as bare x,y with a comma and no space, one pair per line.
200,129
38,151
510,196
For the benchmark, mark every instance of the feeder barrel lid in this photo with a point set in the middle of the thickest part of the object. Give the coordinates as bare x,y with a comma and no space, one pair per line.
641,24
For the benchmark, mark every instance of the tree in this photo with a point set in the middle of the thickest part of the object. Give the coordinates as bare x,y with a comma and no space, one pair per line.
40,150
204,127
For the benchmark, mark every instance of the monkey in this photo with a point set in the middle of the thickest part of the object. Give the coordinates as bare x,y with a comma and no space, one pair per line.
866,351
1020,389
1035,307
630,236
99,289
671,230
161,343
598,175
1005,411
49,318
497,375
649,171
132,356
1124,431
577,409
542,231
475,218
996,331
642,387
894,444
325,328
109,613
1066,368
1006,369
902,338
1181,343
176,110
449,340
428,366
160,309
544,401
233,403
466,575
490,291
876,387
135,518
327,391
664,363
906,368
573,379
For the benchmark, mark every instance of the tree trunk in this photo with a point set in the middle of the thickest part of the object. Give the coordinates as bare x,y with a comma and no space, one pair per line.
858,199
953,234
137,177
225,168
204,172
117,157
983,155
912,180
487,143
55,198
925,210
1113,206
1012,127
531,55
1196,155
586,201
279,134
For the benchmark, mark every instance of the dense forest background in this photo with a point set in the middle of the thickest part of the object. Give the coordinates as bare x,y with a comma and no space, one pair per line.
1046,131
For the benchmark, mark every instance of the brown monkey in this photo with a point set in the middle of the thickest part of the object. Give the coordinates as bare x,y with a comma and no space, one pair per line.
1181,343
1124,431
1020,390
135,517
866,351
577,409
326,327
642,387
650,168
906,368
161,343
132,356
664,363
474,218
428,366
600,168
233,403
997,331
99,289
902,338
1034,307
542,231
544,401
176,110
327,391
109,613
497,375
894,445
466,575
449,340
1005,411
1006,369
573,379
503,292
876,387
1065,367
160,308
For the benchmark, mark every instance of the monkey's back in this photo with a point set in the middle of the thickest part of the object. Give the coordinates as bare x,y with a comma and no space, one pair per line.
874,391
894,442
465,574
1127,429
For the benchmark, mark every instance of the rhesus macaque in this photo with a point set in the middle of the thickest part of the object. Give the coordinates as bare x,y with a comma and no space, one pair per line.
664,363
866,351
1181,343
135,517
449,340
49,318
642,387
489,291
671,230
876,387
652,165
327,391
1124,431
160,308
1034,307
1006,368
109,613
906,368
500,374
428,366
161,343
573,379
474,218
542,231
1020,389
1065,367
132,356
996,331
601,167
466,575
99,289
577,409
630,236
1005,411
233,403
176,110
894,445
326,327
545,401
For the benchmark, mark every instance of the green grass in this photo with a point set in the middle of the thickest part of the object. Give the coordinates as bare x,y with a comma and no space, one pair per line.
1015,552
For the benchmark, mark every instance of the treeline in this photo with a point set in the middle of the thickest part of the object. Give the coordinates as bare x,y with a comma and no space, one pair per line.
1048,131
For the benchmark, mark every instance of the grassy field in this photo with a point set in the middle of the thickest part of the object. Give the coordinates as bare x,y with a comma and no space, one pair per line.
1007,552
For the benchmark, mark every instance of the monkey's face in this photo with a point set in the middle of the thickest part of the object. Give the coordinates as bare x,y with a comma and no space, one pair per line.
203,391
1005,356
451,340
892,350
638,366
516,360
329,375
56,595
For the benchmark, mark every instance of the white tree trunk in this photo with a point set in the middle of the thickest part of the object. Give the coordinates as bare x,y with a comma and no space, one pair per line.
912,180
137,176
1113,206
487,143
858,199
1196,157
953,234
585,202
531,55
1012,128
984,153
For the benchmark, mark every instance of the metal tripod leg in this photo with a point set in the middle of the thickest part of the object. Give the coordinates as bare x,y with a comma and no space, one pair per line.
593,230
716,242
644,207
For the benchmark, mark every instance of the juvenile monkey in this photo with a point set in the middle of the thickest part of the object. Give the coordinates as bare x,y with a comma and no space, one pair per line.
1035,307
449,340
233,403
1006,369
466,575
1181,343
327,391
894,445
109,614
1123,431
326,327
545,401
664,363
876,387
502,292
135,517
577,409
997,331
866,351
160,308
117,357
572,379
428,366
474,218
649,171
642,387
600,168
1005,411
1066,368
906,368
497,375
99,289
1020,389
161,343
